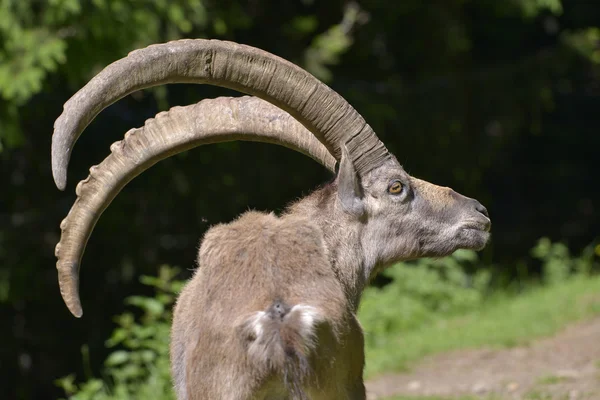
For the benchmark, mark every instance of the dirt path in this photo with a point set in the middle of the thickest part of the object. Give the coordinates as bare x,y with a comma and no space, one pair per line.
565,367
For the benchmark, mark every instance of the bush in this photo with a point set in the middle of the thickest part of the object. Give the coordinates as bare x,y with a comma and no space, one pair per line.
420,291
557,262
139,367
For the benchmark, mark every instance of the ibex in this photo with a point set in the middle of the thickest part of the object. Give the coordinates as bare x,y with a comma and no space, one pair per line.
270,313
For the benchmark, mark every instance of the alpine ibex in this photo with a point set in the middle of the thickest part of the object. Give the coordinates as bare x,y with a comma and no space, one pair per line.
271,311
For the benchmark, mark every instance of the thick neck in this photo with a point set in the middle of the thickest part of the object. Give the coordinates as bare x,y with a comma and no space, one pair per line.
343,239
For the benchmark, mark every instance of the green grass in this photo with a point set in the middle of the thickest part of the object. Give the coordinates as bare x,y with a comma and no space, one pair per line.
552,380
429,398
503,321
438,398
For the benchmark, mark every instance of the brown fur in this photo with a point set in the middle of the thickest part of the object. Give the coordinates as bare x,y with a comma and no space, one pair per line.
245,267
271,311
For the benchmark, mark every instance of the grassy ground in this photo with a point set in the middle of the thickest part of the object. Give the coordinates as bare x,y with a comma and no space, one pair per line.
502,321
432,398
445,398
532,396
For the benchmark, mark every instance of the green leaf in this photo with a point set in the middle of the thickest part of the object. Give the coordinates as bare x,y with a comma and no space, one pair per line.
117,358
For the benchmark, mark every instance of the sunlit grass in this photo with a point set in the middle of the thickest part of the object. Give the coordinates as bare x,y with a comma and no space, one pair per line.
440,398
502,321
552,380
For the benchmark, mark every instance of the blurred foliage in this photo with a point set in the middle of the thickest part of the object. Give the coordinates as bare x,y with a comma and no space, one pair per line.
420,291
327,47
139,368
557,262
532,8
498,99
499,317
426,290
36,37
585,42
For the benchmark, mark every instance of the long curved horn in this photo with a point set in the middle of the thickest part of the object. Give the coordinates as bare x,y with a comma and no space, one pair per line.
179,129
246,69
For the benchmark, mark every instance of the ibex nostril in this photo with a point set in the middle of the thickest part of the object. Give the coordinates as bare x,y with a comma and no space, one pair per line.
479,207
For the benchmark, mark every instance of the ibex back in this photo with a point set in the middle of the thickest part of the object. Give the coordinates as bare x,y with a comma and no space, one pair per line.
271,311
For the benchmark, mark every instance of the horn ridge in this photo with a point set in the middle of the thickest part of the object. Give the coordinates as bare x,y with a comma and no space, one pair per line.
247,69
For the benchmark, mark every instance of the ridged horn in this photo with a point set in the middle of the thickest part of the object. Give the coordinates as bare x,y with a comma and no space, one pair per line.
179,129
246,69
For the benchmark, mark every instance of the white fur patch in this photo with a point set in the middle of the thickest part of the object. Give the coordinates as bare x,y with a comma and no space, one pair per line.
309,316
256,323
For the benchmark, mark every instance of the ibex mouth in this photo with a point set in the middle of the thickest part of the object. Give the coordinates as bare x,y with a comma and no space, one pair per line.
475,236
484,224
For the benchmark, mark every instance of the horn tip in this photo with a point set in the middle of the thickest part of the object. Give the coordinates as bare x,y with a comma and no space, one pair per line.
59,172
60,182
74,306
60,153
76,311
68,283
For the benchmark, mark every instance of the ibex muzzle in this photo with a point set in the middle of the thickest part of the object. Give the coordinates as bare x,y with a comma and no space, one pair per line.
270,312
456,220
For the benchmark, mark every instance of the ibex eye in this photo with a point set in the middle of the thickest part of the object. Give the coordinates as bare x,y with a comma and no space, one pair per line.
395,187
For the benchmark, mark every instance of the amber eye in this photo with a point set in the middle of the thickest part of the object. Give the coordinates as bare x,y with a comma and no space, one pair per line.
395,187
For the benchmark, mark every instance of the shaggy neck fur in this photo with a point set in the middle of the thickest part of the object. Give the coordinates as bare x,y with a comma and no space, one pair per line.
343,237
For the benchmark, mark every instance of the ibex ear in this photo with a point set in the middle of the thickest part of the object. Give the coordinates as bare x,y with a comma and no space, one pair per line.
350,190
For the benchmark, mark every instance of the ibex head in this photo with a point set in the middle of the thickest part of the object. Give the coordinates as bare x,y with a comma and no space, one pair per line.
380,213
404,217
